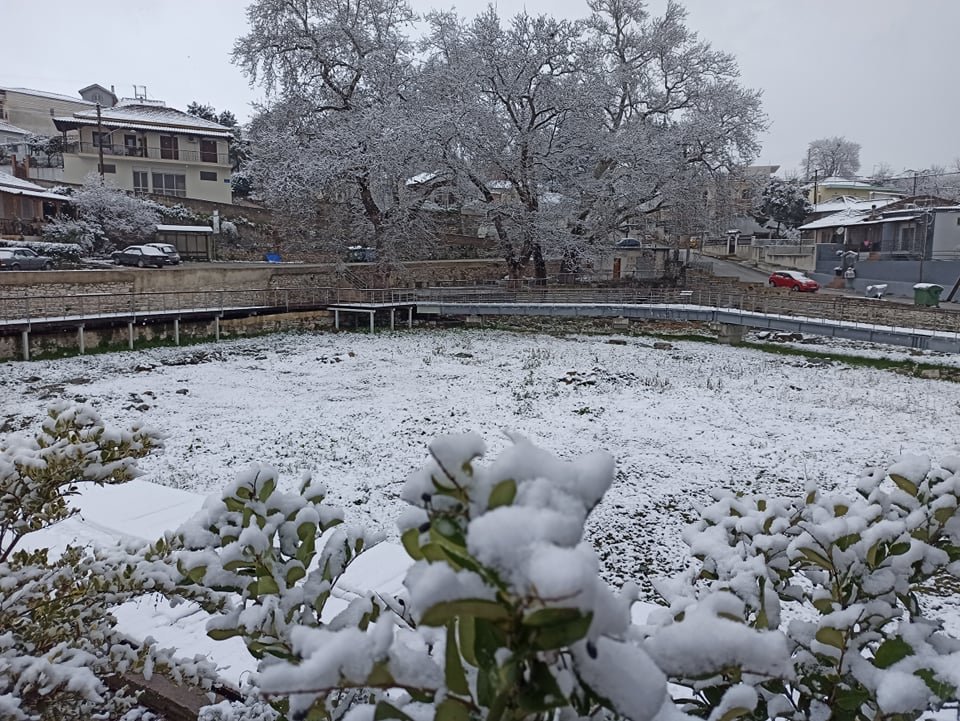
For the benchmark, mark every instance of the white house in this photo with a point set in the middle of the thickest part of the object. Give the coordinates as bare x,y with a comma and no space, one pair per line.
147,147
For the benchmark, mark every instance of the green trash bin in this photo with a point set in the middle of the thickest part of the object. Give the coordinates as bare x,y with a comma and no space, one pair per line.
927,294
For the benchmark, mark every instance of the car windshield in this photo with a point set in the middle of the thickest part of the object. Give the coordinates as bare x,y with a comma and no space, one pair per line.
150,250
796,276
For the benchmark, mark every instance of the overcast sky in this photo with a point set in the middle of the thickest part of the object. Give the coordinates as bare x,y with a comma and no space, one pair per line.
880,72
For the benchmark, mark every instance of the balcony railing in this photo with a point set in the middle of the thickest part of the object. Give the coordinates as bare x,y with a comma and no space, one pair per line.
148,151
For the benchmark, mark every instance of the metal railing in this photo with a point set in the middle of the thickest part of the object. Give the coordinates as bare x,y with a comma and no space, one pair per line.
148,151
827,307
17,309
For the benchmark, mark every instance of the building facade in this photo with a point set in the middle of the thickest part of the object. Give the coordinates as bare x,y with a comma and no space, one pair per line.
145,147
34,110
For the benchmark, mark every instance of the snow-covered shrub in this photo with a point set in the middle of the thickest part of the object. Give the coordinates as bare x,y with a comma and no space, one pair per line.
505,616
839,580
60,656
62,251
107,218
264,562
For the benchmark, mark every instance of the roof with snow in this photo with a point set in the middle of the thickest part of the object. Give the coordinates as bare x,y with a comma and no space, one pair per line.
12,129
12,185
45,94
184,229
846,202
144,115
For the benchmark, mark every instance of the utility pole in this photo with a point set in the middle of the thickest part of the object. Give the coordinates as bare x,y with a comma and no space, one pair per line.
100,143
816,178
914,194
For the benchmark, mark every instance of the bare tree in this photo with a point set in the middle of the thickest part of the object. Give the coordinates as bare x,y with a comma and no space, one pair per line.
831,157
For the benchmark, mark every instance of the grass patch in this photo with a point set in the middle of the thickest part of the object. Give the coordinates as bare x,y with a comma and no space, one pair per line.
907,367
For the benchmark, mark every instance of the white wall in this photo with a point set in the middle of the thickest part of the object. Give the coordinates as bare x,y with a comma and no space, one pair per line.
946,236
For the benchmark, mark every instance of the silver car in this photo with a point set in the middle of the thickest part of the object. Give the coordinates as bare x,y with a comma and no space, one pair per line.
23,259
173,257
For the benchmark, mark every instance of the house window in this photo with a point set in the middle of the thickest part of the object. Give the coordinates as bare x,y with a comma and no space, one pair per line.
169,148
207,175
131,148
102,140
208,151
170,184
140,182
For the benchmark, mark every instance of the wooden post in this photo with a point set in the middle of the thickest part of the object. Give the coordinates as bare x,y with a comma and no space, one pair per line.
131,334
216,328
393,312
81,340
336,319
372,312
25,344
410,317
176,331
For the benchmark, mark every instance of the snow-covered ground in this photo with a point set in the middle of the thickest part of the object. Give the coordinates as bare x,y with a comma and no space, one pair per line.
358,410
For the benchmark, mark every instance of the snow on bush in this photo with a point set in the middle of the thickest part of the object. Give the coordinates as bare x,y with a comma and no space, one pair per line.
60,656
805,608
837,581
69,251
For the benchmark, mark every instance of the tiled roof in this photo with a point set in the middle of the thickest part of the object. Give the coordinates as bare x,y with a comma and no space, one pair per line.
159,115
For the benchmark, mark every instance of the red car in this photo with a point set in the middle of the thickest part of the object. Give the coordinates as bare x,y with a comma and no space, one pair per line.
794,280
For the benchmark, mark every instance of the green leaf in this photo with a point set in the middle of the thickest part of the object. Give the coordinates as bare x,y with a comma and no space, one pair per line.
502,494
551,616
904,484
294,574
943,690
872,558
385,710
243,493
266,490
824,605
561,635
380,676
844,542
942,515
411,543
890,651
433,552
467,630
852,699
451,709
220,634
898,549
830,637
306,530
440,613
840,510
454,675
267,585
735,712
817,558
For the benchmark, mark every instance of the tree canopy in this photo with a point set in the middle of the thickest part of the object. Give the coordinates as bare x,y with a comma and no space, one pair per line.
834,156
557,133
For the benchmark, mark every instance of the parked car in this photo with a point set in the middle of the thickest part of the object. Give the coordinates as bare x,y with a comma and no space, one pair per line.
23,259
173,257
794,280
140,256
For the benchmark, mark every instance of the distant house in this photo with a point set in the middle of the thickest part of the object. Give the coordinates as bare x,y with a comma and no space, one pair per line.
12,141
631,258
25,207
147,148
34,110
99,94
911,228
829,188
